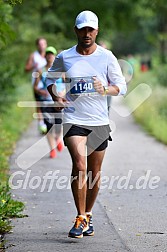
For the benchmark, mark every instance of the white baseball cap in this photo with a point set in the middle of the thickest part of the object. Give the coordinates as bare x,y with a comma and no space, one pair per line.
86,18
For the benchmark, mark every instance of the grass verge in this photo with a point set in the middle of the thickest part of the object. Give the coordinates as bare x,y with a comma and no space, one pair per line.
152,113
13,121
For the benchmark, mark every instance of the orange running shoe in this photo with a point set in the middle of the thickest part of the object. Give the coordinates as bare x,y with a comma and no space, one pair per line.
79,227
90,231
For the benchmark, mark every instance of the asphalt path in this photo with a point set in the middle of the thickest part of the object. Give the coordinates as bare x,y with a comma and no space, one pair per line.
130,213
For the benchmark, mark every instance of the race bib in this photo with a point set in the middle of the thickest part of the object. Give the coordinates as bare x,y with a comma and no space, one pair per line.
82,86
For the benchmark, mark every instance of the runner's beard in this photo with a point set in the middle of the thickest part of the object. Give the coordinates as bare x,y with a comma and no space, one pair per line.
85,45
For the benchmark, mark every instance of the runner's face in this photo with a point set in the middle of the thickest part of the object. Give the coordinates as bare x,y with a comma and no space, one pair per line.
42,44
50,57
86,36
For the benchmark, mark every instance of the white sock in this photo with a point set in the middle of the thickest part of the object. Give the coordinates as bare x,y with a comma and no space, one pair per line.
83,216
89,213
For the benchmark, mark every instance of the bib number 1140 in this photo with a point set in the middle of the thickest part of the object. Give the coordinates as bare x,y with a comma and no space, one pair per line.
83,86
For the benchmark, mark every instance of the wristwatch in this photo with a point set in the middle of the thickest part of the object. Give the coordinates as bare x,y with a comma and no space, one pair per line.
105,90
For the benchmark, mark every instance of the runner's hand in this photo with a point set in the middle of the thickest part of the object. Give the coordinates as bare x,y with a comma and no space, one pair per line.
60,103
98,86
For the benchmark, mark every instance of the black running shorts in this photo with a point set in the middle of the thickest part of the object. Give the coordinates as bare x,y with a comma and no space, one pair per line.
97,136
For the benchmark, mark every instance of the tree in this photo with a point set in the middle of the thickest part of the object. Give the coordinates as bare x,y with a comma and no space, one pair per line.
6,32
155,13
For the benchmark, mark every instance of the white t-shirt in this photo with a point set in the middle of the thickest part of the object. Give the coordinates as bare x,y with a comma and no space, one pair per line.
88,110
39,62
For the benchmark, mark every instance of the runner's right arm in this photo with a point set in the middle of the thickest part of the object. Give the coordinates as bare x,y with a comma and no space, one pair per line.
29,63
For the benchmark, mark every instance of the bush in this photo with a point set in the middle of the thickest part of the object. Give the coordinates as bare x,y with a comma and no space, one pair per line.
7,73
162,75
152,114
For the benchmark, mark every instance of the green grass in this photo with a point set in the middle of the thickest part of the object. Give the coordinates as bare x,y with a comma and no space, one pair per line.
13,122
152,114
9,208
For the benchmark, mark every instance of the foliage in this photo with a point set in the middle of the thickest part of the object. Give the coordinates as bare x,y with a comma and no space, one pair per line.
10,126
13,2
7,72
9,208
6,32
158,12
161,72
146,115
152,114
